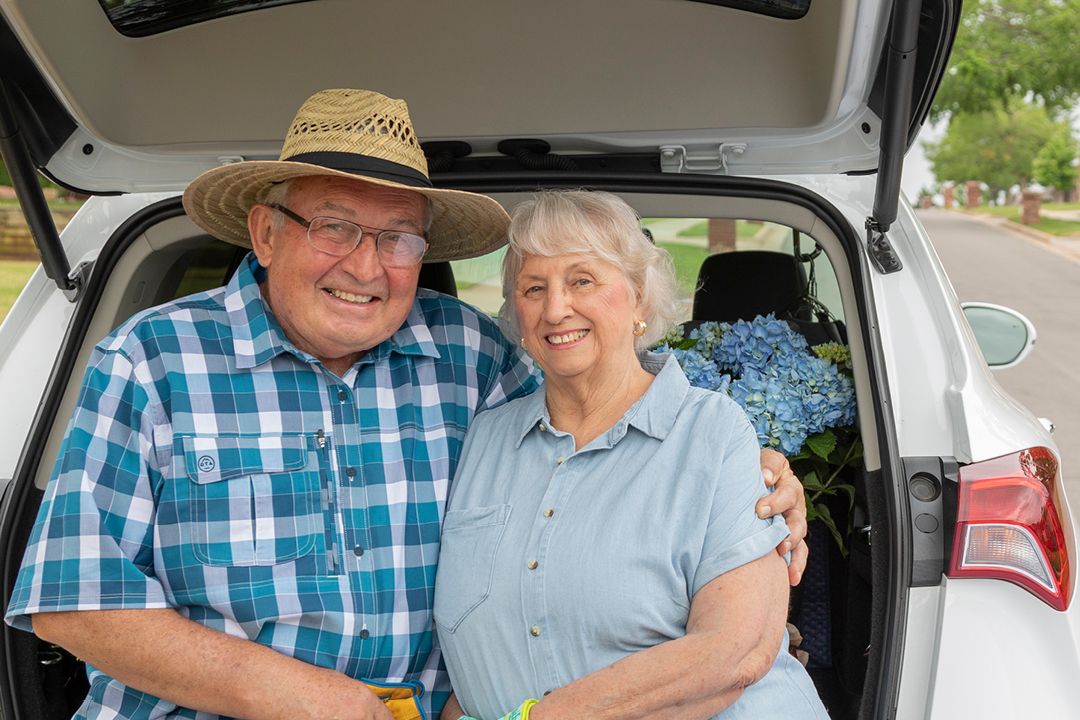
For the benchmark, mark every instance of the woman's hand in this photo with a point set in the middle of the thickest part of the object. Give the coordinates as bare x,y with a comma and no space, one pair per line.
787,497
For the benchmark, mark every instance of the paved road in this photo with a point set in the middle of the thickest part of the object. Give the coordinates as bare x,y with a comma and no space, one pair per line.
995,265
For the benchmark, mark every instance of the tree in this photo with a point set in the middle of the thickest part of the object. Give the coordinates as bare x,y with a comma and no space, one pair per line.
996,146
1053,166
1013,49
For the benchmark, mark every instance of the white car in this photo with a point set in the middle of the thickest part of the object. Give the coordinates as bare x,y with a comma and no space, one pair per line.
955,596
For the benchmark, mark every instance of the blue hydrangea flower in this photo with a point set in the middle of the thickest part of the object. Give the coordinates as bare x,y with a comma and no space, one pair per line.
787,391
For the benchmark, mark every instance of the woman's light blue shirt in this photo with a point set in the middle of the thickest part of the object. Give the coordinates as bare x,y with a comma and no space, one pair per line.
556,563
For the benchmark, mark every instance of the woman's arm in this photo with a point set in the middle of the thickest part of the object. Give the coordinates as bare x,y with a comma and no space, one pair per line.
452,709
732,638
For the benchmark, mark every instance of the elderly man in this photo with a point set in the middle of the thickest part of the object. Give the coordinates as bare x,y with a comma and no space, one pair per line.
244,518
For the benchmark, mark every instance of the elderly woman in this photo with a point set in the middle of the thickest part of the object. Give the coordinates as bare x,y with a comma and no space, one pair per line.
600,550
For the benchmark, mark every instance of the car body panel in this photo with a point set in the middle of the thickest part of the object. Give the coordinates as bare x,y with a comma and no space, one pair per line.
1003,654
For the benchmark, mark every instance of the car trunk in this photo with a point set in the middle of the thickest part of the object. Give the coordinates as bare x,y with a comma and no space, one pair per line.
856,601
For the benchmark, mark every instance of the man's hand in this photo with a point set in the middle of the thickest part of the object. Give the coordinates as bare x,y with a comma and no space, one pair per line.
786,497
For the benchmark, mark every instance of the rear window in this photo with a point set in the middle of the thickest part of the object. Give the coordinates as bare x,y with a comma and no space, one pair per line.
138,18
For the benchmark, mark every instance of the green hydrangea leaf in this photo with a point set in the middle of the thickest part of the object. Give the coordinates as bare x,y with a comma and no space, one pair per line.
822,444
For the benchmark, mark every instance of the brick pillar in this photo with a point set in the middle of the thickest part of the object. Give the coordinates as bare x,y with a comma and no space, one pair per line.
721,235
926,203
1029,207
974,193
949,191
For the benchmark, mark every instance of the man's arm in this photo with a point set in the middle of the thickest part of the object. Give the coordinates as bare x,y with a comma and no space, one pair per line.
787,497
164,654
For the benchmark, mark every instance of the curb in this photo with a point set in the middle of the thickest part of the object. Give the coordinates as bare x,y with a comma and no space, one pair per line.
1053,243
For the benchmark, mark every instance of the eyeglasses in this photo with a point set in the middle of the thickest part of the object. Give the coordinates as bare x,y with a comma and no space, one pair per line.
334,236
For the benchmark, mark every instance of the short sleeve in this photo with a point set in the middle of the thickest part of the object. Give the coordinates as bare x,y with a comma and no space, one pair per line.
735,535
514,374
91,547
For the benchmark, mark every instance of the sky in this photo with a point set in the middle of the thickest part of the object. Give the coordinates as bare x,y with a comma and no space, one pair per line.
917,173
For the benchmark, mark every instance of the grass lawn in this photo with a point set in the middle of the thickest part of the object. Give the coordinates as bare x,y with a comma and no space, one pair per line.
1006,211
13,275
53,204
1053,226
688,259
743,229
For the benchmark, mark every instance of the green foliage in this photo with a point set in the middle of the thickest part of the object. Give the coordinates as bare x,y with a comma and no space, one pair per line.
997,146
823,466
1012,49
1053,165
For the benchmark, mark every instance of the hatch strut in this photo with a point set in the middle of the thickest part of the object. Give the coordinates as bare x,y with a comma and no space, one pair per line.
896,112
32,199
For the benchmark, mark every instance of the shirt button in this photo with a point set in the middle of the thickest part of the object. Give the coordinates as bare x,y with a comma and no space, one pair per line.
364,634
549,512
358,550
543,427
560,460
532,565
351,472
342,395
535,631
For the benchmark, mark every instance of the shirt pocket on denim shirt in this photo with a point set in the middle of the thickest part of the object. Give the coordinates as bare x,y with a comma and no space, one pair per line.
252,500
470,539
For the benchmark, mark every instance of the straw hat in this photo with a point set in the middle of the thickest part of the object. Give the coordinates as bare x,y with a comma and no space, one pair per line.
356,134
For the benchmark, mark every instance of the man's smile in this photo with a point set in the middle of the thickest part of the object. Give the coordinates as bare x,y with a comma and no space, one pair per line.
350,297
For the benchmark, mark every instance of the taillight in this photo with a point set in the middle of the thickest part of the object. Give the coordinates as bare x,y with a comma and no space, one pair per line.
1009,524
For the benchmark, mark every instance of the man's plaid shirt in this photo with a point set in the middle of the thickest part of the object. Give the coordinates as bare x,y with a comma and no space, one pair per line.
214,468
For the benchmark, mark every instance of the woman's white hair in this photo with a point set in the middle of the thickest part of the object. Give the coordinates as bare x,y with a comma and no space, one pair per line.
602,225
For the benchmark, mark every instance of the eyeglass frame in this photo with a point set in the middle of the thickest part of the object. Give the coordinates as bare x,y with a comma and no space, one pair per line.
374,231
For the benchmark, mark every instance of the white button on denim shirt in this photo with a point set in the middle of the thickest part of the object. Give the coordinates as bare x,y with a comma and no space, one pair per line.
556,563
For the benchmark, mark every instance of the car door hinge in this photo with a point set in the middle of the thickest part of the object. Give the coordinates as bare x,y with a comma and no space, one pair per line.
677,159
78,277
881,252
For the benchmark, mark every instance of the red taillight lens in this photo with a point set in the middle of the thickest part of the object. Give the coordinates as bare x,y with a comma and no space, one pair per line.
1009,525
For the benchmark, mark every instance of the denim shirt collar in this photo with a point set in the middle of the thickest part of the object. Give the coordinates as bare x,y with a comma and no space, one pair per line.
654,413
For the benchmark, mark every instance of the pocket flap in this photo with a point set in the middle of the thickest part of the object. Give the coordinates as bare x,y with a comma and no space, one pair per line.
210,459
475,517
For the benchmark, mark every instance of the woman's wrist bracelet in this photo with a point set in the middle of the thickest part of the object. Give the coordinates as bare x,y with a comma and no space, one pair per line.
522,711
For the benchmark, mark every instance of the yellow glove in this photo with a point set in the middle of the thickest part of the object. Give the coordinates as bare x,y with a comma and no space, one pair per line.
401,699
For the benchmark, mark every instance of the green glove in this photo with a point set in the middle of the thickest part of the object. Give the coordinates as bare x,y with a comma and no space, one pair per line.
522,712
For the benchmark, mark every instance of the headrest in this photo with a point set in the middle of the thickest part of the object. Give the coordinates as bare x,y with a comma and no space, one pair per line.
741,285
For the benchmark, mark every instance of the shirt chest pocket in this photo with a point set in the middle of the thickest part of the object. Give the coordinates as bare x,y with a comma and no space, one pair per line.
470,539
252,500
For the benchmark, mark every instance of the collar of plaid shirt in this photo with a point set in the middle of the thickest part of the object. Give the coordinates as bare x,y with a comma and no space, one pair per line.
257,336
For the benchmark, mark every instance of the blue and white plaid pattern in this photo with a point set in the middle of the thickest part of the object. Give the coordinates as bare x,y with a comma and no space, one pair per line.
213,467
